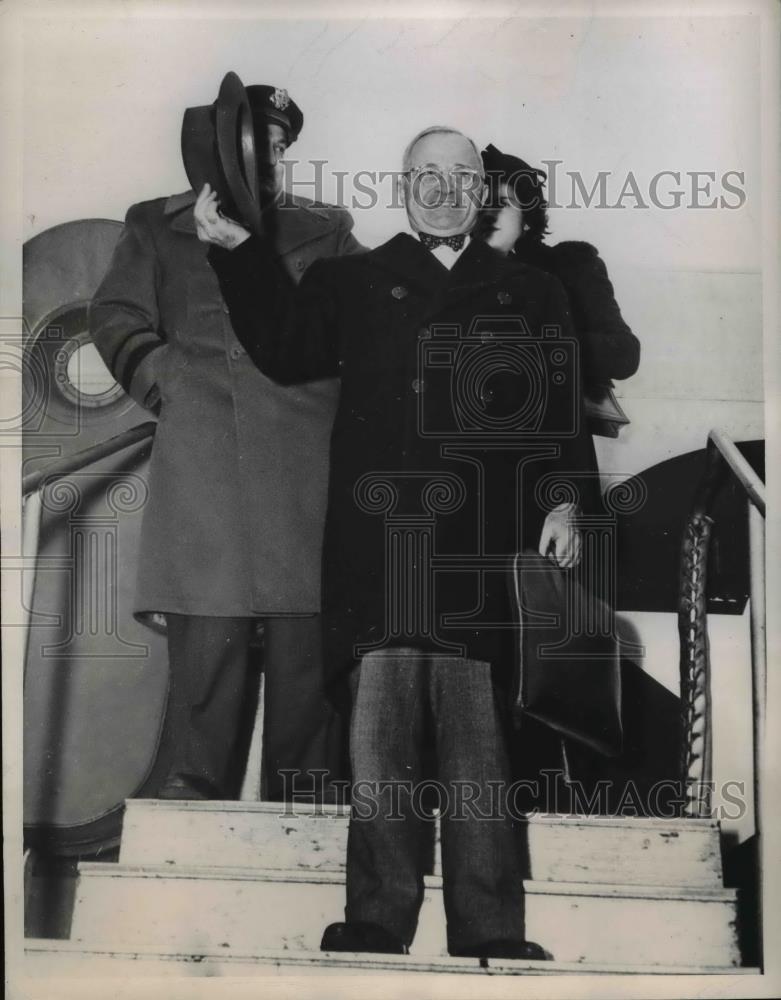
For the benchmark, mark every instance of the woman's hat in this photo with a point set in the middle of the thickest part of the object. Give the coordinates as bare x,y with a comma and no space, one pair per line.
503,166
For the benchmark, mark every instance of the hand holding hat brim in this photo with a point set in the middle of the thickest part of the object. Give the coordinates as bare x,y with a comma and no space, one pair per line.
214,227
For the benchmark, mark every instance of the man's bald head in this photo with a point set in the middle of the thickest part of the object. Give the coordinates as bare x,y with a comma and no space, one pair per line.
442,181
435,134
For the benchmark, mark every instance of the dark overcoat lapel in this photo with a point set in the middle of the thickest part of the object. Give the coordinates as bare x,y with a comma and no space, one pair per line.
478,267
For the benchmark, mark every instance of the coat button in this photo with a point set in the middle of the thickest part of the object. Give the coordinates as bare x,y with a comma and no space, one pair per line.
299,264
236,352
417,385
399,292
504,298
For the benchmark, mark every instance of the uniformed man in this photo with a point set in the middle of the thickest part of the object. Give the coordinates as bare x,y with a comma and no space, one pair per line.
232,534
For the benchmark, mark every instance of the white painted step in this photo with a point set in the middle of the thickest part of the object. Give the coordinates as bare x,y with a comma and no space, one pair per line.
247,910
264,835
48,959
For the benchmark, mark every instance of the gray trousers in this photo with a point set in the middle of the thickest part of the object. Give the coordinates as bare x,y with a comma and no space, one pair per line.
399,698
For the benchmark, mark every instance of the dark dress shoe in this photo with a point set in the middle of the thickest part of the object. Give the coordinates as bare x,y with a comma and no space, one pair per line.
361,936
529,951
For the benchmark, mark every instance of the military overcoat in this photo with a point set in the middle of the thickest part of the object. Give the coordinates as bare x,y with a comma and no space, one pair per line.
239,466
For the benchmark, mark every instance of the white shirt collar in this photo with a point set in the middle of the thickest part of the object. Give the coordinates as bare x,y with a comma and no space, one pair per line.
447,255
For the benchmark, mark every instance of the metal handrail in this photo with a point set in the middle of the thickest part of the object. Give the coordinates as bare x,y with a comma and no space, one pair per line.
66,466
722,456
748,479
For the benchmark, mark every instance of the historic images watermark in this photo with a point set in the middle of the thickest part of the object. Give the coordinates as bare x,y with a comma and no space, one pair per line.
79,511
670,189
551,792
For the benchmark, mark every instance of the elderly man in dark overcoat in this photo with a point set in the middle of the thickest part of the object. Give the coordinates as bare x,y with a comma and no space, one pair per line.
233,530
459,396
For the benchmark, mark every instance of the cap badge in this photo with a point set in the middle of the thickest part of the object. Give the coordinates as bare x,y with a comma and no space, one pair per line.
280,99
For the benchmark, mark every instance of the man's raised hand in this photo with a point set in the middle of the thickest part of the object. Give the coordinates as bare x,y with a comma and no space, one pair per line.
214,227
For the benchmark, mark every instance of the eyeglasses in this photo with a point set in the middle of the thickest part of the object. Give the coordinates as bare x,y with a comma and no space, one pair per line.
432,186
430,179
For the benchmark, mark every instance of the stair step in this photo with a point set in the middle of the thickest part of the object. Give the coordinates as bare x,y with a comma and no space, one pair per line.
53,959
248,909
263,835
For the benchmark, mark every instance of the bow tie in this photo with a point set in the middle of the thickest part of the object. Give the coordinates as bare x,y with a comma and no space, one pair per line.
430,242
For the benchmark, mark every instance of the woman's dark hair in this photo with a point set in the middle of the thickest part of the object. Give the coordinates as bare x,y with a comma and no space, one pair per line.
525,190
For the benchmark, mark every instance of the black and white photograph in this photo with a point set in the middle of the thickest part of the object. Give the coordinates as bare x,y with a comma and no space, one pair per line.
390,566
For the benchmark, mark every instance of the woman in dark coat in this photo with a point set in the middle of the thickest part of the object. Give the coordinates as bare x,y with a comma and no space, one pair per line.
515,222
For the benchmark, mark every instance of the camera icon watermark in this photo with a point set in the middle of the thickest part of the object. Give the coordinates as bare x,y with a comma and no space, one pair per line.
500,379
55,384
